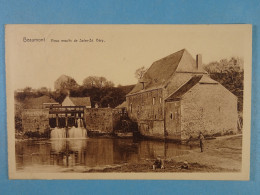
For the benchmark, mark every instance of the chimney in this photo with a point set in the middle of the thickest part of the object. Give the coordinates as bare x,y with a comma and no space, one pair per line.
142,84
199,61
142,81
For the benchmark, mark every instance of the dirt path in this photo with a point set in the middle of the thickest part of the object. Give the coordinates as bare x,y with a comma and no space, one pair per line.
223,152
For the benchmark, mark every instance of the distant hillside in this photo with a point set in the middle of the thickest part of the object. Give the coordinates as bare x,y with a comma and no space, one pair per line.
127,88
104,97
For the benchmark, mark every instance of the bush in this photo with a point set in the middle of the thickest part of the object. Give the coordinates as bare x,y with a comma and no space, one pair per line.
36,134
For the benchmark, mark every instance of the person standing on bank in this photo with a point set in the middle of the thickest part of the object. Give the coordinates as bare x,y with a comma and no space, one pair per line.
201,138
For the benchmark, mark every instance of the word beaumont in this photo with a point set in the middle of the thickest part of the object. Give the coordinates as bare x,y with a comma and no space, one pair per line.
25,39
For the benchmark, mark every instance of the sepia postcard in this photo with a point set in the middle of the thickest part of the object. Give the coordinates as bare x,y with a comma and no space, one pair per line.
128,101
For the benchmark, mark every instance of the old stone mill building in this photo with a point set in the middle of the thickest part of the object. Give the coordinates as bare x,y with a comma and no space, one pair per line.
175,99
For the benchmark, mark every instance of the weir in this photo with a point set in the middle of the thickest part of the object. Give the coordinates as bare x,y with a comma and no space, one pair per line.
72,121
67,122
73,132
65,116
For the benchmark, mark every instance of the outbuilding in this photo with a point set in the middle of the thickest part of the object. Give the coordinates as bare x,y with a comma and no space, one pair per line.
77,101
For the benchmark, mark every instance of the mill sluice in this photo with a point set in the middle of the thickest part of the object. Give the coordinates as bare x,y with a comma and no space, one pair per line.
66,116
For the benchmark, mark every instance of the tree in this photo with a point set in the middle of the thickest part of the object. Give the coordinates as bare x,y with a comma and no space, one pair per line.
43,91
98,82
65,82
230,73
27,89
225,65
59,95
139,73
112,96
109,84
89,82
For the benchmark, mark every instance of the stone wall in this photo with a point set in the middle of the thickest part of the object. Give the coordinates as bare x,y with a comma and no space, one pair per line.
35,120
173,120
116,118
151,128
146,106
102,120
209,108
147,109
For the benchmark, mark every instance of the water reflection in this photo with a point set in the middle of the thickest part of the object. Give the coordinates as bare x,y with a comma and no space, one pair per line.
90,153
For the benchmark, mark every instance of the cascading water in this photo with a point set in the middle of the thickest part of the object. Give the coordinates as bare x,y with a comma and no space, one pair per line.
58,133
73,132
78,132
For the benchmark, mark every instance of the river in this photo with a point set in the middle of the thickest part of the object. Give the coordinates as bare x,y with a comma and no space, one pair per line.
80,155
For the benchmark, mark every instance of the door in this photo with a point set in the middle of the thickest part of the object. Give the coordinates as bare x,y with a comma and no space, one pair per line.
172,118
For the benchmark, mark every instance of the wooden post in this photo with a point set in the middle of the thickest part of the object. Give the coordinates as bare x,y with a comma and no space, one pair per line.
57,120
66,120
66,125
75,119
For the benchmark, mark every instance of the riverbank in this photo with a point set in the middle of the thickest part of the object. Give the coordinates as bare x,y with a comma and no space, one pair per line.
223,154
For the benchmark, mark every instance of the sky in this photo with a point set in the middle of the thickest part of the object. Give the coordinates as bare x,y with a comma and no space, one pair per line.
114,51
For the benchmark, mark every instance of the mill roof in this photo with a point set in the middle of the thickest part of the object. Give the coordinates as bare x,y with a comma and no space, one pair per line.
162,71
81,101
185,88
194,80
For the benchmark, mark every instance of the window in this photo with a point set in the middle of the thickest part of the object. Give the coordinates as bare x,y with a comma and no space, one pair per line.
153,100
171,116
131,107
160,100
